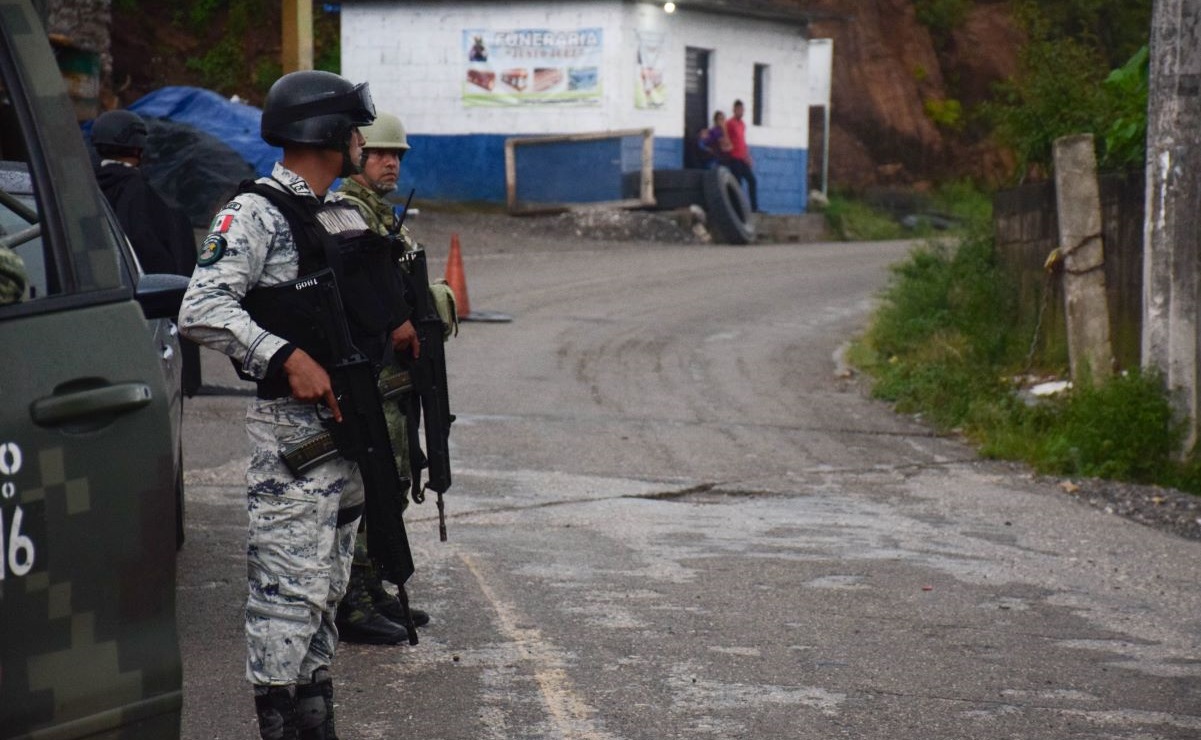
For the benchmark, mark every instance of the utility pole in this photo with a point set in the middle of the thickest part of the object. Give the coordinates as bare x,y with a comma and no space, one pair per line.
298,35
1172,238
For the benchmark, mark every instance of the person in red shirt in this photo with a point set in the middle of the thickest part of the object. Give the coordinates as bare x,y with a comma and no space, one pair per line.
740,162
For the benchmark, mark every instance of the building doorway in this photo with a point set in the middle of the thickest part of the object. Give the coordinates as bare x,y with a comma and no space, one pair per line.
696,102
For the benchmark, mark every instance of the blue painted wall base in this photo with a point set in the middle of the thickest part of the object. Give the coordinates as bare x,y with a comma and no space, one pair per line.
471,167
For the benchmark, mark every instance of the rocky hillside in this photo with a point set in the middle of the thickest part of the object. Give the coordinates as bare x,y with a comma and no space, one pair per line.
902,99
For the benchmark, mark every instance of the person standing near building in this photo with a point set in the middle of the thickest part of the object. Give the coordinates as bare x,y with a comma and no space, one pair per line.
369,613
301,528
161,235
740,162
714,142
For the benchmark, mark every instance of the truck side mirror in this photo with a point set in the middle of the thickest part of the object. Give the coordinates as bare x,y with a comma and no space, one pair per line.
161,294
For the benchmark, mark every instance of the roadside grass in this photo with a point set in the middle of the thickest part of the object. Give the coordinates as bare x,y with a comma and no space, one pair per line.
951,209
853,220
946,344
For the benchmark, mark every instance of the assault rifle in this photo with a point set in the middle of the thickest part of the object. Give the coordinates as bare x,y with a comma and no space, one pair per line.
362,436
428,402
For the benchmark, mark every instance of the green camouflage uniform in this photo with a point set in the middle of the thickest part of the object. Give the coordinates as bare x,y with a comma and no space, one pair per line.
13,282
364,593
382,220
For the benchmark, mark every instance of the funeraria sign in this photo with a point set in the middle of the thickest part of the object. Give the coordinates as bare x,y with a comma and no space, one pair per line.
532,66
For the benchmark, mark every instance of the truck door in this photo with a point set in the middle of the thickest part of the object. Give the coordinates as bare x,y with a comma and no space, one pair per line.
88,645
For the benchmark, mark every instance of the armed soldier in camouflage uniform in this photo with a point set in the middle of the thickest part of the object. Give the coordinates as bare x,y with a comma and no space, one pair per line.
301,533
368,613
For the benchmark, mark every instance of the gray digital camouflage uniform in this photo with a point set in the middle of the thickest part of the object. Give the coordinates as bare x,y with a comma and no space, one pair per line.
298,558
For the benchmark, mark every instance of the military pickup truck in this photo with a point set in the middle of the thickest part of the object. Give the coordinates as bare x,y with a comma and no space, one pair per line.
89,432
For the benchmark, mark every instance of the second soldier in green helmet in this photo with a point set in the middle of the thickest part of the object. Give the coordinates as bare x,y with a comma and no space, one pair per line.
369,613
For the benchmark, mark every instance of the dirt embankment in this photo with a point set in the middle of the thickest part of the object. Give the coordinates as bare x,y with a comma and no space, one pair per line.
896,89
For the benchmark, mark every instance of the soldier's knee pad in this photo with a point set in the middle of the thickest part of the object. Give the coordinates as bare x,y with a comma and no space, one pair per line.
276,709
315,707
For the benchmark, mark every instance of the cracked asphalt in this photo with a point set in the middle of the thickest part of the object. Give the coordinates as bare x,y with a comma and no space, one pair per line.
674,517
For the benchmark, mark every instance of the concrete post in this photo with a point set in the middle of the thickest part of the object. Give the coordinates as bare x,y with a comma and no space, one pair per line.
297,53
1078,201
1172,238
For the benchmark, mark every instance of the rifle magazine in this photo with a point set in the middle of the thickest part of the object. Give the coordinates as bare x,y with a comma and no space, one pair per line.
308,453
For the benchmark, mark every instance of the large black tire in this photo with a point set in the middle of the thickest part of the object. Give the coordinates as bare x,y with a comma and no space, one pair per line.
673,188
678,179
727,207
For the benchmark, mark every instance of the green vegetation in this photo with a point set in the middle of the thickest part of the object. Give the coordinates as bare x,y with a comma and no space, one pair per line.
1057,92
233,58
327,42
853,220
225,67
1125,138
946,344
942,16
1117,28
1067,85
947,113
857,219
949,341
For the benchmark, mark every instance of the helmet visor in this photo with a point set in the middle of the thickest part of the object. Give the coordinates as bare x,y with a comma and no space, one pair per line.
362,112
355,104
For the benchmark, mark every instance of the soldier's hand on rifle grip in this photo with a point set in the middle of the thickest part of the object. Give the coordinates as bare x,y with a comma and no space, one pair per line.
310,382
405,336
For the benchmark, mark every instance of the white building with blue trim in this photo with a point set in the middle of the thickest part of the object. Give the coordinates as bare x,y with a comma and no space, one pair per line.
466,76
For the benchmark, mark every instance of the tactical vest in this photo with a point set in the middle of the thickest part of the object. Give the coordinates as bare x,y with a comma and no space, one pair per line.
333,236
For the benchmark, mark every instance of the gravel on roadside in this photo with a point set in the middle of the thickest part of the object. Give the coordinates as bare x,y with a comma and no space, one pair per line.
1164,509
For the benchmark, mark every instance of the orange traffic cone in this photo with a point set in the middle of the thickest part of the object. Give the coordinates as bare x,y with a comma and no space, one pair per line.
456,279
458,285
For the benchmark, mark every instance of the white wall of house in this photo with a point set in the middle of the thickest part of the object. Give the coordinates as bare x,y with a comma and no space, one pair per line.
411,53
736,46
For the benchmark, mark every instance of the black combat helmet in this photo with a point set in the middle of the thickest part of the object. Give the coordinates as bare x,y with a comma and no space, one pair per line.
315,108
119,133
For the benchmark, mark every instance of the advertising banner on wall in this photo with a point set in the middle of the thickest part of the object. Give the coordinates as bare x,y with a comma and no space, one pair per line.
650,91
532,66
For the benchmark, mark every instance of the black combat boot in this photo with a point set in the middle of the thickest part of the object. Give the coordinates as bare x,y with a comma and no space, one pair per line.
389,605
358,620
315,707
276,707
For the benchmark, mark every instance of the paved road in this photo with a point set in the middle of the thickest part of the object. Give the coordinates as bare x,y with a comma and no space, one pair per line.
672,519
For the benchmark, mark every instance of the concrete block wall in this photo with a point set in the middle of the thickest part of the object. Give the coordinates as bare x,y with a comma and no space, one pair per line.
781,175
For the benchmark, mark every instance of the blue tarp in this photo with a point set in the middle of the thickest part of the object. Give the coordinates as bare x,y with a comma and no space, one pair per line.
236,124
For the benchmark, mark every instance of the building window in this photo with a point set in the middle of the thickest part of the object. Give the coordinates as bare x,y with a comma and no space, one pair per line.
759,102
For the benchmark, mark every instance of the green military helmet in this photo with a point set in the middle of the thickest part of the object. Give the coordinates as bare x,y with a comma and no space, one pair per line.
387,132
